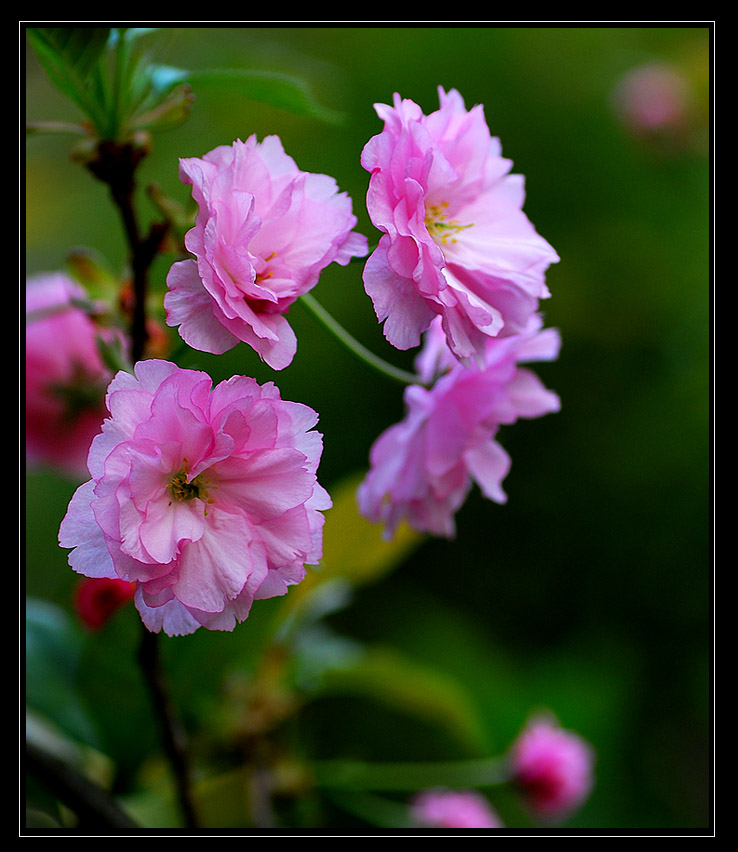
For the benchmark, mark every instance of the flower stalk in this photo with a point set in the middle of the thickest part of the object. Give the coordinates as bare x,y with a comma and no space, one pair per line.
352,344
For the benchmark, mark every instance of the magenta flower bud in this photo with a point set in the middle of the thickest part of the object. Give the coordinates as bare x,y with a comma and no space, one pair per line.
553,769
97,599
438,808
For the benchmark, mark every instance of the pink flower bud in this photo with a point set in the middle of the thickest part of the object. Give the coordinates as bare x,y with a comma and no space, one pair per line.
553,769
453,809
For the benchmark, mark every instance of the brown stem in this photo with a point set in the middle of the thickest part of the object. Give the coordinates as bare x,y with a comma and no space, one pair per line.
115,164
173,735
95,807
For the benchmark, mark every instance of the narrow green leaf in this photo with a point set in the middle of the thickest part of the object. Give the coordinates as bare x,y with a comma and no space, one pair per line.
273,88
68,61
77,47
129,34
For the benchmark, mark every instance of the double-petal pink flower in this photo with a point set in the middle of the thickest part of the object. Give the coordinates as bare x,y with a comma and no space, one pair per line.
455,241
422,468
264,232
206,498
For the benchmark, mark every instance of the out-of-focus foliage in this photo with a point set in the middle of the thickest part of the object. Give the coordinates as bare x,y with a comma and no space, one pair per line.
588,594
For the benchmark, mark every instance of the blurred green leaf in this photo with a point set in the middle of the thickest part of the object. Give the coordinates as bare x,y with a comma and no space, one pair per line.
53,649
129,34
354,553
76,48
69,55
282,91
387,676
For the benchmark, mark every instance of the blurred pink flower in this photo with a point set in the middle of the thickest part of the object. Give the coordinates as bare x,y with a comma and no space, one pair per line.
264,232
652,98
438,808
456,242
206,497
65,376
96,599
421,469
553,769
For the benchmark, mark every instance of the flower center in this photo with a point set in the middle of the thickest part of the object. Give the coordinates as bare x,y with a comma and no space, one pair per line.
181,488
442,229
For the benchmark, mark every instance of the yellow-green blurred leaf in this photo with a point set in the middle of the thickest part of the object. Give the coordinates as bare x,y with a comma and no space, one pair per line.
354,551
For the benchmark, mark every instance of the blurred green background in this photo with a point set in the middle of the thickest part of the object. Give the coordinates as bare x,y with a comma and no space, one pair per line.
589,593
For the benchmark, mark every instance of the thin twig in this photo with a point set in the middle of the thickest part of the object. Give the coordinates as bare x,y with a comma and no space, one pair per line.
173,735
94,806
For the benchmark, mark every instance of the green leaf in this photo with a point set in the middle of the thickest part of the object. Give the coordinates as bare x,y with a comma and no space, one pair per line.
129,34
77,48
391,678
53,648
269,87
69,56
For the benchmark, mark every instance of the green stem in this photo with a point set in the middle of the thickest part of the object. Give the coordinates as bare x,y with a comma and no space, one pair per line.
353,345
352,775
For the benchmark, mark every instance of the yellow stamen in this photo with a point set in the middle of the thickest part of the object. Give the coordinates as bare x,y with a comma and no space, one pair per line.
181,488
440,227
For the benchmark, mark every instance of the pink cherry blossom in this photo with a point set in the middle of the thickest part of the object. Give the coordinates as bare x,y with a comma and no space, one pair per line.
439,808
264,232
422,468
65,376
553,769
455,241
206,498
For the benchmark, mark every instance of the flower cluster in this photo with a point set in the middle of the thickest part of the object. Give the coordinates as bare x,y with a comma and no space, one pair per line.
264,232
459,268
206,498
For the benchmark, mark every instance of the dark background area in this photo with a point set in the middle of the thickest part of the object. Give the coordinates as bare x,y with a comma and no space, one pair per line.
589,593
